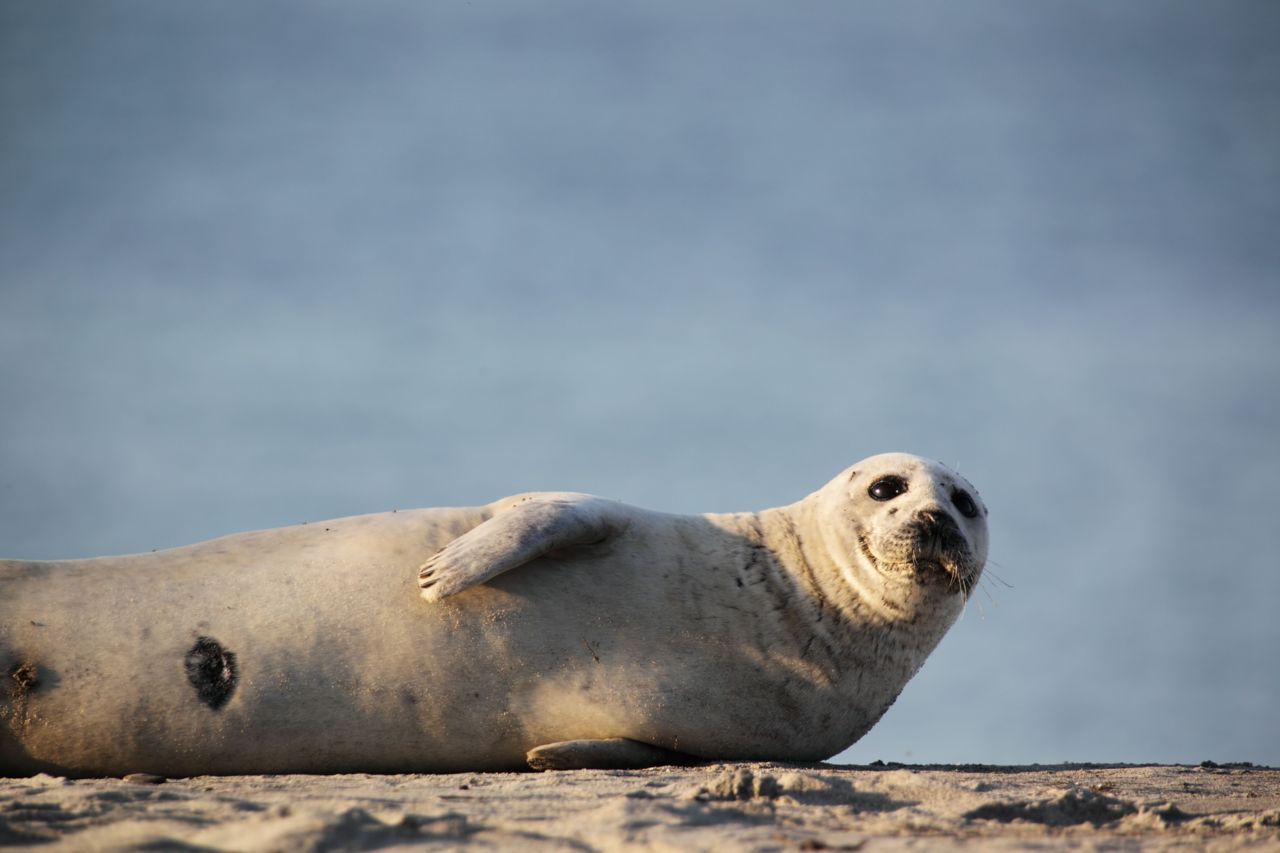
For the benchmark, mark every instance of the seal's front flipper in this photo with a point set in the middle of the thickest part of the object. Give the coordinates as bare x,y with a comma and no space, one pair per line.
523,530
615,753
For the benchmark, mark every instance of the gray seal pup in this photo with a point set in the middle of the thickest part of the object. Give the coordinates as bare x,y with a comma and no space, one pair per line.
551,630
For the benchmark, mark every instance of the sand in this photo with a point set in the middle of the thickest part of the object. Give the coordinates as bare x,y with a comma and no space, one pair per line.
747,806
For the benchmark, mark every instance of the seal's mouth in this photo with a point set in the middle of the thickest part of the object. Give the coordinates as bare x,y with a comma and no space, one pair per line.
932,548
943,570
936,566
941,552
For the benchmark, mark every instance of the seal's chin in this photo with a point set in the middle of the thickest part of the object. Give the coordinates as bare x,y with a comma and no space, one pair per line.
951,574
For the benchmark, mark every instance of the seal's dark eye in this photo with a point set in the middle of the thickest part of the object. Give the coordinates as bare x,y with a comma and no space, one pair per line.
964,503
887,488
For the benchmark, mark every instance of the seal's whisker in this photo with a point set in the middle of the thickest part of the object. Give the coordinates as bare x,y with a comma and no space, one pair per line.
982,614
987,592
990,571
989,575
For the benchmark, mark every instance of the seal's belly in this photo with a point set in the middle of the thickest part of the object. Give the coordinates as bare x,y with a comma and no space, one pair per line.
615,646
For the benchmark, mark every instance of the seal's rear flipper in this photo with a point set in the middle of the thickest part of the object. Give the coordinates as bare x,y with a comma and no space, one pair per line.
615,753
524,529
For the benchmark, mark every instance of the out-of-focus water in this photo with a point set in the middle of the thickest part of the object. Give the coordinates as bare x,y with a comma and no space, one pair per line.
270,262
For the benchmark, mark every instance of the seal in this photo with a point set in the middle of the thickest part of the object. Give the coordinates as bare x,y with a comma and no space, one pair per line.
548,630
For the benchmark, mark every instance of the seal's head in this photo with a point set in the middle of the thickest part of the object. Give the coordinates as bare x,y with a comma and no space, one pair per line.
907,517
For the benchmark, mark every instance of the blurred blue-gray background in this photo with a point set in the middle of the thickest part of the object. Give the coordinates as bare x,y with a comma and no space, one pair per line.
269,262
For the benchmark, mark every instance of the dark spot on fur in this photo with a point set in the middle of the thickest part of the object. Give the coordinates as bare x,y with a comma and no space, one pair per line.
211,669
26,677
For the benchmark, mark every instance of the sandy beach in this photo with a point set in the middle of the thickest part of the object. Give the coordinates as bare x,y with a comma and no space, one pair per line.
743,806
